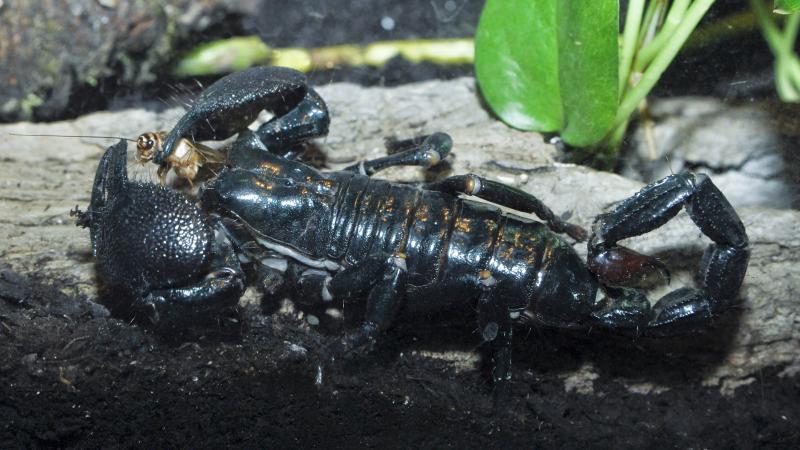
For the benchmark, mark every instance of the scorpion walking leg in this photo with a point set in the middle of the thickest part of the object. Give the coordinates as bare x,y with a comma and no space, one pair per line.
314,287
424,151
722,268
383,303
494,323
509,197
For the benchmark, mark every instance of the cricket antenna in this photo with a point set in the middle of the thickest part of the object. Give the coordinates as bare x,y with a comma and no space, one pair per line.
71,136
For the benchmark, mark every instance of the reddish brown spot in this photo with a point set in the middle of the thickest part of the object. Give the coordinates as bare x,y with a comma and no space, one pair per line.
621,266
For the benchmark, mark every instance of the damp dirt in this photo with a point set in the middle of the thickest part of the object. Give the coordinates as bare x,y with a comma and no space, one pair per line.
74,376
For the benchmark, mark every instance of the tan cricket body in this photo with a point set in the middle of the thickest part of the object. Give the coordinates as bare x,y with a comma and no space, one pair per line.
186,160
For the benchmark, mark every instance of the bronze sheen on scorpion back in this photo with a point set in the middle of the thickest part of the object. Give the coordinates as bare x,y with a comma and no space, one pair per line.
344,235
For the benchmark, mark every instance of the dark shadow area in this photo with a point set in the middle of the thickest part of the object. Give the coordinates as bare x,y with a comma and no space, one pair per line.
75,377
181,325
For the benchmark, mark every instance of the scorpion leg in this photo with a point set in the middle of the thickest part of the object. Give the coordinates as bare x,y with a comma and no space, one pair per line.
721,270
495,325
424,151
232,103
509,197
383,302
315,287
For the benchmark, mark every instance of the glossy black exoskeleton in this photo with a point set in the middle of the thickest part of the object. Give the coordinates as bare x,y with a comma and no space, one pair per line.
344,234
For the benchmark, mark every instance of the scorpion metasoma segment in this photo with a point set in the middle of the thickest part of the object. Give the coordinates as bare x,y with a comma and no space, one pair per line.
344,235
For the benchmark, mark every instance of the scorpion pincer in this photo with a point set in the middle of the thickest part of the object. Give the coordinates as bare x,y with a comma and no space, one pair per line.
341,235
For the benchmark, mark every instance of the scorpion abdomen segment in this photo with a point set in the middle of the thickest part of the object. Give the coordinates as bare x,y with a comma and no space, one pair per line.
373,221
371,215
429,225
471,243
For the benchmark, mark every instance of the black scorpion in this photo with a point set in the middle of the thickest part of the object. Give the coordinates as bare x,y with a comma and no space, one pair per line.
397,246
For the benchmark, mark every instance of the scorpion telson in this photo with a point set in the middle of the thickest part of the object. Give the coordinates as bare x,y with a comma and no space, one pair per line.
326,237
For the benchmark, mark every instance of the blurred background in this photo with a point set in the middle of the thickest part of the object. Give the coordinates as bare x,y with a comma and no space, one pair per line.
63,58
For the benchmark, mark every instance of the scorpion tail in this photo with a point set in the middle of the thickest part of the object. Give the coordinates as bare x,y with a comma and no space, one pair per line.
721,271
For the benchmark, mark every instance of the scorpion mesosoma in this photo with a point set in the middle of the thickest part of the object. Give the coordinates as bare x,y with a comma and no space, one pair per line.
396,246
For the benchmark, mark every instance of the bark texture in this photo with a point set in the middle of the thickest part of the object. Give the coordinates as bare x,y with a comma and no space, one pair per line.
56,54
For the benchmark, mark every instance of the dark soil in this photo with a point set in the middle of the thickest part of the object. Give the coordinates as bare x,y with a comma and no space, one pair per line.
73,376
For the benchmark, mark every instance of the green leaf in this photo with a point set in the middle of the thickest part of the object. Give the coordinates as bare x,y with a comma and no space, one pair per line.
550,65
589,69
516,61
786,6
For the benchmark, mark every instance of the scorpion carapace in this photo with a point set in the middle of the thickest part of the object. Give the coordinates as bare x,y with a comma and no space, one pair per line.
342,235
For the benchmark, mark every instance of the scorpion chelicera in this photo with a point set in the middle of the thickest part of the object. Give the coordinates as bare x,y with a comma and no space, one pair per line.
343,235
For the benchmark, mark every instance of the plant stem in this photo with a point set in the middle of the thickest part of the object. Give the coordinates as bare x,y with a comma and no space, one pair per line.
771,32
660,63
227,55
790,31
792,67
652,48
630,35
652,17
787,66
617,134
